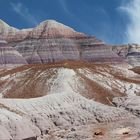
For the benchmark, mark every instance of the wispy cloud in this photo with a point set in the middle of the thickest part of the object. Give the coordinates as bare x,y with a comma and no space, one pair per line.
64,6
86,25
24,12
70,14
132,9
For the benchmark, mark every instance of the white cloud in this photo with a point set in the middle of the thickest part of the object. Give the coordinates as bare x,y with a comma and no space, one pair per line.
132,9
23,11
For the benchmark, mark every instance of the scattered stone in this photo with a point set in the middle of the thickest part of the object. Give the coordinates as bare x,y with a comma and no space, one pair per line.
72,129
98,133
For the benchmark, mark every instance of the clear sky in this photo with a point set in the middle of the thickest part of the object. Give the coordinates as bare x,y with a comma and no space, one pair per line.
113,21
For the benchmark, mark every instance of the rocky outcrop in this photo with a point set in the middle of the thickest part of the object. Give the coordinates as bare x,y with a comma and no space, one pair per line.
9,55
131,104
131,53
6,30
51,41
59,49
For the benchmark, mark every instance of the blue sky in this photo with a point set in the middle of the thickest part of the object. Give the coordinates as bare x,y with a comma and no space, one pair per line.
113,21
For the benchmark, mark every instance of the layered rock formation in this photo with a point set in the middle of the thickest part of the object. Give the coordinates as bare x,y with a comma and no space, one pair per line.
131,53
9,55
52,41
6,30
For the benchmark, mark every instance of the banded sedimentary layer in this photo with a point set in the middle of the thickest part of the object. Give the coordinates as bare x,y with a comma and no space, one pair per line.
9,55
52,42
130,53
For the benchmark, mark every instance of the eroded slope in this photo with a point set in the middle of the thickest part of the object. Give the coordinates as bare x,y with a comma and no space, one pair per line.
64,102
98,82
